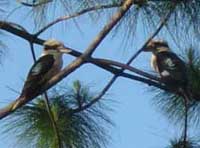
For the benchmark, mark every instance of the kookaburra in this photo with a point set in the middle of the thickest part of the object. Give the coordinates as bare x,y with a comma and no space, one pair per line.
48,65
171,68
173,73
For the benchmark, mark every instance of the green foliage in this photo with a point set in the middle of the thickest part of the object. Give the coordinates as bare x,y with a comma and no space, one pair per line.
179,143
85,129
194,72
172,105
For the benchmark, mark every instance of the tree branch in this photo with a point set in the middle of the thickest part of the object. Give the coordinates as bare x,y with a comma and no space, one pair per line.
74,65
7,26
19,102
81,12
30,38
35,4
126,67
162,23
109,26
109,84
160,26
146,81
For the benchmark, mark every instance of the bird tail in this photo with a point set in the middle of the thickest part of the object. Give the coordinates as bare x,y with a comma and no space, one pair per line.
12,107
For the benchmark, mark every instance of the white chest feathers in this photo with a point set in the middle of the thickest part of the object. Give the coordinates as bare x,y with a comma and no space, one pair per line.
154,63
56,67
58,63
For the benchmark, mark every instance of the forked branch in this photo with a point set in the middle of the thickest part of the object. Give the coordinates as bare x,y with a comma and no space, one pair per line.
114,78
74,65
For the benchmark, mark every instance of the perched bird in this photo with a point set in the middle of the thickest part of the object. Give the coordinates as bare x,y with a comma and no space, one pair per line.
48,65
173,73
171,68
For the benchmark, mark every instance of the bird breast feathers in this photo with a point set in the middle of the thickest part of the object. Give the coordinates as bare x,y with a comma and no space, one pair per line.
154,63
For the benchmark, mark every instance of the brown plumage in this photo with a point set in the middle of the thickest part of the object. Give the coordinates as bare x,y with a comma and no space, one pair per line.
47,66
170,67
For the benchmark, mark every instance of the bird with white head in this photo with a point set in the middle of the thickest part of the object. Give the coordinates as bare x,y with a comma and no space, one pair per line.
170,67
47,66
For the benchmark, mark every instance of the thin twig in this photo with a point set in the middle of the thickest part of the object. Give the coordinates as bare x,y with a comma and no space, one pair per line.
160,26
186,123
186,100
54,124
146,81
36,4
32,52
13,90
126,67
81,12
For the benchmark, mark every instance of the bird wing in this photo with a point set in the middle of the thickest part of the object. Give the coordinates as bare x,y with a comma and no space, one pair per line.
35,77
170,65
41,66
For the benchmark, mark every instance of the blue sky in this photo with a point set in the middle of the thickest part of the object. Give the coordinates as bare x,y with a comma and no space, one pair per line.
138,123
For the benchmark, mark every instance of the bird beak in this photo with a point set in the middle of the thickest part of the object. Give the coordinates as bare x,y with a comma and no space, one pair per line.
65,50
149,47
